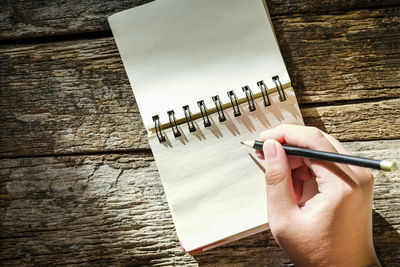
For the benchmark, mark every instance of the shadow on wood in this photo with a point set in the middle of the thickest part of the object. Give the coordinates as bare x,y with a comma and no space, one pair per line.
257,250
386,241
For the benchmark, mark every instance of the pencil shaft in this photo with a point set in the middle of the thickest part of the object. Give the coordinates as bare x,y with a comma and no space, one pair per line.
327,156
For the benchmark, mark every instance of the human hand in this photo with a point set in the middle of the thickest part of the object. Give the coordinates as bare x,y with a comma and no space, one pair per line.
333,227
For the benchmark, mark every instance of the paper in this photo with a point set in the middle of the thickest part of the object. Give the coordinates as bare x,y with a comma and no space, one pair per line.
214,186
177,52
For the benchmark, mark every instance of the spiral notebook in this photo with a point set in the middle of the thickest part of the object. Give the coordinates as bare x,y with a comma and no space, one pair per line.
206,75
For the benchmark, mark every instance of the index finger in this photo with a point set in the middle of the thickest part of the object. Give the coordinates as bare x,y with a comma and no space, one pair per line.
300,136
312,138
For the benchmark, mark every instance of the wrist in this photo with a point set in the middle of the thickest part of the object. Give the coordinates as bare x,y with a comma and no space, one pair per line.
327,256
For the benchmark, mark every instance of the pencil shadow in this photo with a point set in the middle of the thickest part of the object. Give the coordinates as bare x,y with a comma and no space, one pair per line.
257,163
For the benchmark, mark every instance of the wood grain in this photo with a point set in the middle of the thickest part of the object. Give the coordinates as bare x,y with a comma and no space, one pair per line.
339,56
75,97
279,7
49,18
59,126
342,55
44,18
60,97
111,210
363,121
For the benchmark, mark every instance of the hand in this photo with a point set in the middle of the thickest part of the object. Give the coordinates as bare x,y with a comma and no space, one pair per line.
334,226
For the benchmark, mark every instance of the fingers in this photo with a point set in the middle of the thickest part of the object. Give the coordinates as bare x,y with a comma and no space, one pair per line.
280,193
300,136
299,176
294,162
330,177
298,189
302,173
338,146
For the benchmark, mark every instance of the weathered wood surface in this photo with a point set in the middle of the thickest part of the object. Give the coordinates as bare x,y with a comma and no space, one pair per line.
102,202
330,57
342,56
43,18
111,209
56,125
75,97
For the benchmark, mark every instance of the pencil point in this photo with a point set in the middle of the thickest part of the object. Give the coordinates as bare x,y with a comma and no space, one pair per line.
248,143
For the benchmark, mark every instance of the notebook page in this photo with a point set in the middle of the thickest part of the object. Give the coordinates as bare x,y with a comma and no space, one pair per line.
177,52
214,188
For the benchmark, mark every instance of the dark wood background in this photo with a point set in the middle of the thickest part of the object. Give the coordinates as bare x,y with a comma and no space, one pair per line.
78,183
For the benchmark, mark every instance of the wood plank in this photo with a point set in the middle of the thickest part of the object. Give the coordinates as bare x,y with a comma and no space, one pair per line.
342,56
333,57
279,7
75,97
44,18
330,57
111,210
363,121
75,118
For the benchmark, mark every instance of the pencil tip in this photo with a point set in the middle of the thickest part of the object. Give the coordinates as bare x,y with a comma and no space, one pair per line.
248,143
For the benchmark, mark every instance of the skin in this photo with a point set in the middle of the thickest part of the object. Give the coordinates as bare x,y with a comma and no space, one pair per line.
333,227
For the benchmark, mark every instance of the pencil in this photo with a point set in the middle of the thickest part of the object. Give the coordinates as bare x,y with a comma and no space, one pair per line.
384,165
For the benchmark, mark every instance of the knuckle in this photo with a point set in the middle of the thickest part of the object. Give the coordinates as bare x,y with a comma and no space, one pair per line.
283,127
367,180
315,132
370,178
345,194
348,190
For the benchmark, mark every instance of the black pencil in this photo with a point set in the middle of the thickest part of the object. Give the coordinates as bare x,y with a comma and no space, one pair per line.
328,156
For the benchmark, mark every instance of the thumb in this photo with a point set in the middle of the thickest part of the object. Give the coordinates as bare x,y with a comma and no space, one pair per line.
280,194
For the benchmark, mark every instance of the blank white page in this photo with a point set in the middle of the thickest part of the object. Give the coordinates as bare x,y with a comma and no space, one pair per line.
177,52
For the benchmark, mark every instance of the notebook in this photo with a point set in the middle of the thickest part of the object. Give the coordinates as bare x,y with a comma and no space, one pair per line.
206,75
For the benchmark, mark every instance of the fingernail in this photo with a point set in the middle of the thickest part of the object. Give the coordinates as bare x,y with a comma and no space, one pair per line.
270,150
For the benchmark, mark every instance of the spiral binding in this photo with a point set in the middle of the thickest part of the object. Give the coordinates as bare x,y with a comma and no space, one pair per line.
264,92
172,122
279,88
157,126
249,96
219,108
189,119
204,113
235,104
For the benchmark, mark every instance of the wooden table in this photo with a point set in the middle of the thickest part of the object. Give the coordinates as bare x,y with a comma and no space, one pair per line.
78,181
